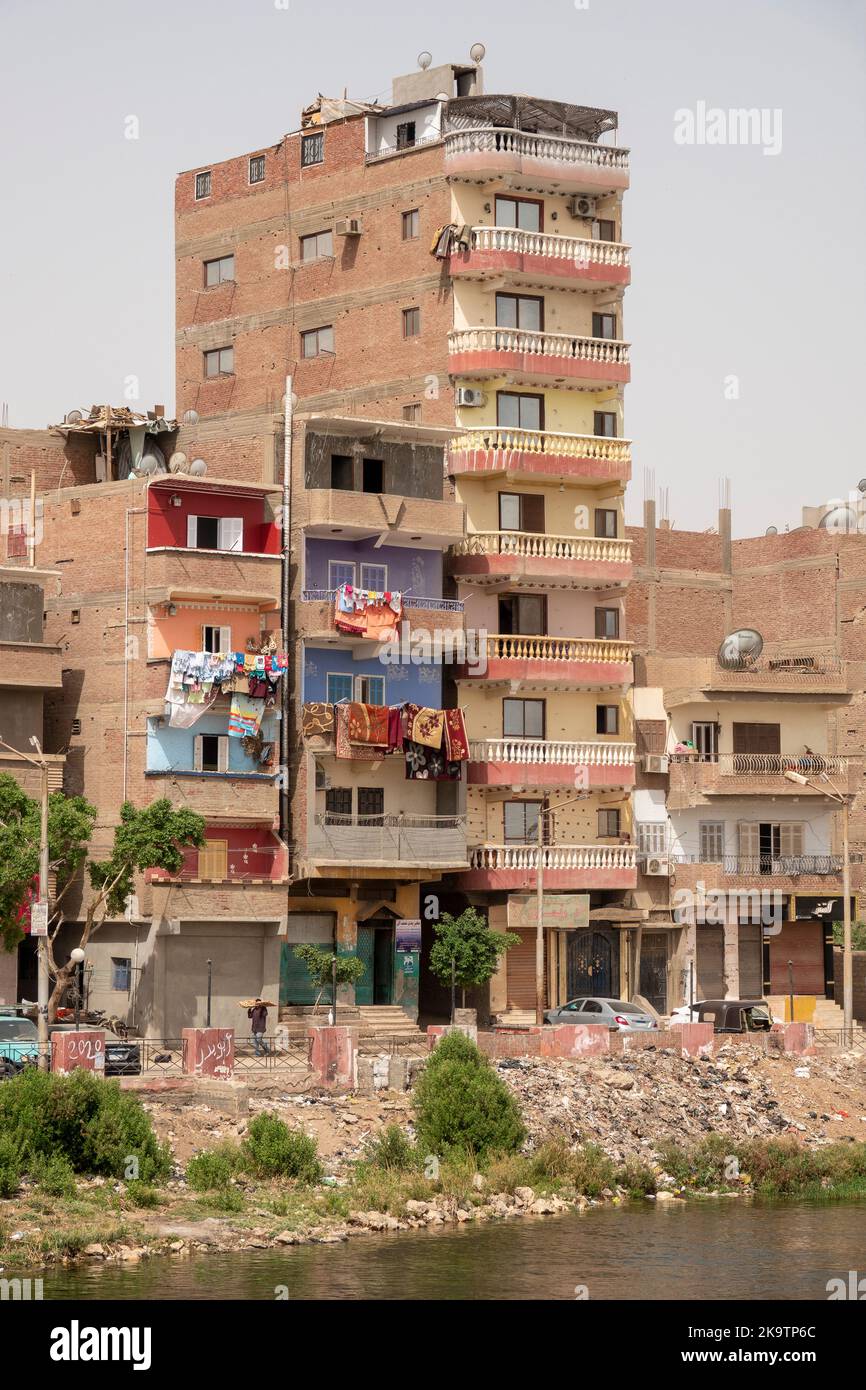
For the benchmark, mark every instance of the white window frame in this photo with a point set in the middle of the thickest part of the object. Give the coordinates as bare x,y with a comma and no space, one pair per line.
230,532
333,582
652,837
360,693
222,752
224,638
365,584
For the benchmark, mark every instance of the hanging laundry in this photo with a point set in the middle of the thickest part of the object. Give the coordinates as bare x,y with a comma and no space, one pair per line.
456,741
440,247
368,724
429,765
245,717
360,752
369,613
426,726
316,718
395,728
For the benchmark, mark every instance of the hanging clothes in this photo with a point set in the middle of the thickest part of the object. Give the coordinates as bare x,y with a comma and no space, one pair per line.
245,717
316,718
368,724
429,765
456,740
344,748
426,726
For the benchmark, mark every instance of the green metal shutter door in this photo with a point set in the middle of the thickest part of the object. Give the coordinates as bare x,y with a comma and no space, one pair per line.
315,928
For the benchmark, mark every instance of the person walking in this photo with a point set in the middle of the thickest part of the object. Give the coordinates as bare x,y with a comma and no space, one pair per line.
258,1016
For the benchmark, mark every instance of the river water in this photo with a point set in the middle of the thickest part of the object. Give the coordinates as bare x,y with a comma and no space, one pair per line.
699,1250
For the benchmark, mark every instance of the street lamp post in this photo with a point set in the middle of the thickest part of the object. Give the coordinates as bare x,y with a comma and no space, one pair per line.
834,794
43,990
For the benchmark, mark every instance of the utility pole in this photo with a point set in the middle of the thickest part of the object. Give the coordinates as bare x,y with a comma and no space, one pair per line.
42,948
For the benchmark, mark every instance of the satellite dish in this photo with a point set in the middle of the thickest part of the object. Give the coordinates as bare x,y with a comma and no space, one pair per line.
861,486
198,468
424,60
740,649
442,96
772,531
190,417
477,52
73,417
839,518
147,464
177,463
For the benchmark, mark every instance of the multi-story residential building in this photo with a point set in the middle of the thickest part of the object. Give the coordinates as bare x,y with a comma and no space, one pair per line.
750,860
453,262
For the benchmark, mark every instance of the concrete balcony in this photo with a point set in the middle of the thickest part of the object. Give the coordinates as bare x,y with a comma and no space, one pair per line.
513,867
805,675
802,873
227,797
30,665
555,162
516,762
694,783
398,845
532,560
581,662
537,258
535,456
314,617
398,520
174,575
543,359
262,861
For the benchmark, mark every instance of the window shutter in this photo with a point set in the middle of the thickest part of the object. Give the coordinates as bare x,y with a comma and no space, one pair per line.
225,639
791,839
533,512
196,744
231,533
223,753
192,532
749,839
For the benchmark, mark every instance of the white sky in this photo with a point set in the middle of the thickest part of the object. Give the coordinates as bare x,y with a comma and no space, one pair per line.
744,265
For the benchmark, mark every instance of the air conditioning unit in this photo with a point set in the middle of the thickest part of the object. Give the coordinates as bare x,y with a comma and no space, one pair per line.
582,207
470,396
348,226
323,781
655,762
657,866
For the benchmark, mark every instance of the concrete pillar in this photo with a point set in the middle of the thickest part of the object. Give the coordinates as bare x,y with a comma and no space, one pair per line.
84,1048
725,539
333,1056
732,959
209,1052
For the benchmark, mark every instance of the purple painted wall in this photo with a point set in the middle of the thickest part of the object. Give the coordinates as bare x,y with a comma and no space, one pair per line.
418,572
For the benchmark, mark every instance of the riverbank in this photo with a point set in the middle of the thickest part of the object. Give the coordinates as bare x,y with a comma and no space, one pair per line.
655,1126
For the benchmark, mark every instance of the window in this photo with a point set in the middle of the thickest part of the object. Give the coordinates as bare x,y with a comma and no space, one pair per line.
524,311
411,323
517,411
604,325
711,841
520,820
342,473
521,511
16,542
412,412
604,424
317,245
608,822
340,572
216,639
705,739
371,805
219,362
607,719
374,577
338,803
757,738
607,622
523,718
218,271
312,149
338,687
211,753
215,533
525,213
317,341
652,837
372,475
523,613
257,168
605,522
370,690
75,615
411,222
604,229
121,973
405,135
202,185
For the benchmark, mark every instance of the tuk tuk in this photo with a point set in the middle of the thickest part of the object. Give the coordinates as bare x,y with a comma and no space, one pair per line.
736,1015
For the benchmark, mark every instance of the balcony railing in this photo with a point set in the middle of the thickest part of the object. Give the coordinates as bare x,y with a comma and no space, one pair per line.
561,346
547,149
253,863
578,251
533,545
551,752
387,838
505,439
789,866
777,764
430,605
583,649
553,857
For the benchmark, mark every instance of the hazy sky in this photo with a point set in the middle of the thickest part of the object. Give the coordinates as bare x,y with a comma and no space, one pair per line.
746,312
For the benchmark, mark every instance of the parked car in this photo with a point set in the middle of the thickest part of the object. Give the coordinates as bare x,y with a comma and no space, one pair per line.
619,1016
686,1013
19,1041
736,1015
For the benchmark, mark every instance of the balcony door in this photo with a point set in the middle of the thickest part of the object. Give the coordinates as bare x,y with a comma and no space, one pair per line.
757,738
213,860
773,844
521,511
519,410
705,737
523,615
521,311
527,214
520,822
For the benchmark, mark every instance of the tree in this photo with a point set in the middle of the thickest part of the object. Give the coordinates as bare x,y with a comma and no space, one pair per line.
858,935
467,950
153,838
320,968
462,1106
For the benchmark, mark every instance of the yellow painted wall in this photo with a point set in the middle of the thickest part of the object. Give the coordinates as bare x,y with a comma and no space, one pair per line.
564,311
576,824
401,794
801,723
568,714
569,512
565,412
570,613
468,206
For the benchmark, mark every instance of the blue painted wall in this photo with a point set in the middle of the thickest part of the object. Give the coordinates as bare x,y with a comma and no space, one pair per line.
173,748
422,685
418,572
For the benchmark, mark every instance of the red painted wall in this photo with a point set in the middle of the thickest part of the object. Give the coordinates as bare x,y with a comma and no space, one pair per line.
166,524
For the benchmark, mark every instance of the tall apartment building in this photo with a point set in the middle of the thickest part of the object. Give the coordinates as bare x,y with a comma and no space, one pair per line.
451,264
718,726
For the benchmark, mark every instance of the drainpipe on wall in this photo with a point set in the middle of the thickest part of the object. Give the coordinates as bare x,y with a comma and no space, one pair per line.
288,682
130,511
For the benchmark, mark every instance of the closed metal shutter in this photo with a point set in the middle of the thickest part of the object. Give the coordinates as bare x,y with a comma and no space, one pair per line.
520,965
313,928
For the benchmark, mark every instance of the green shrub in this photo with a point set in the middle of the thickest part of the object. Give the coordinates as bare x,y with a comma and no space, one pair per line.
54,1174
637,1179
392,1150
10,1164
90,1122
462,1105
272,1150
209,1170
226,1199
142,1195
